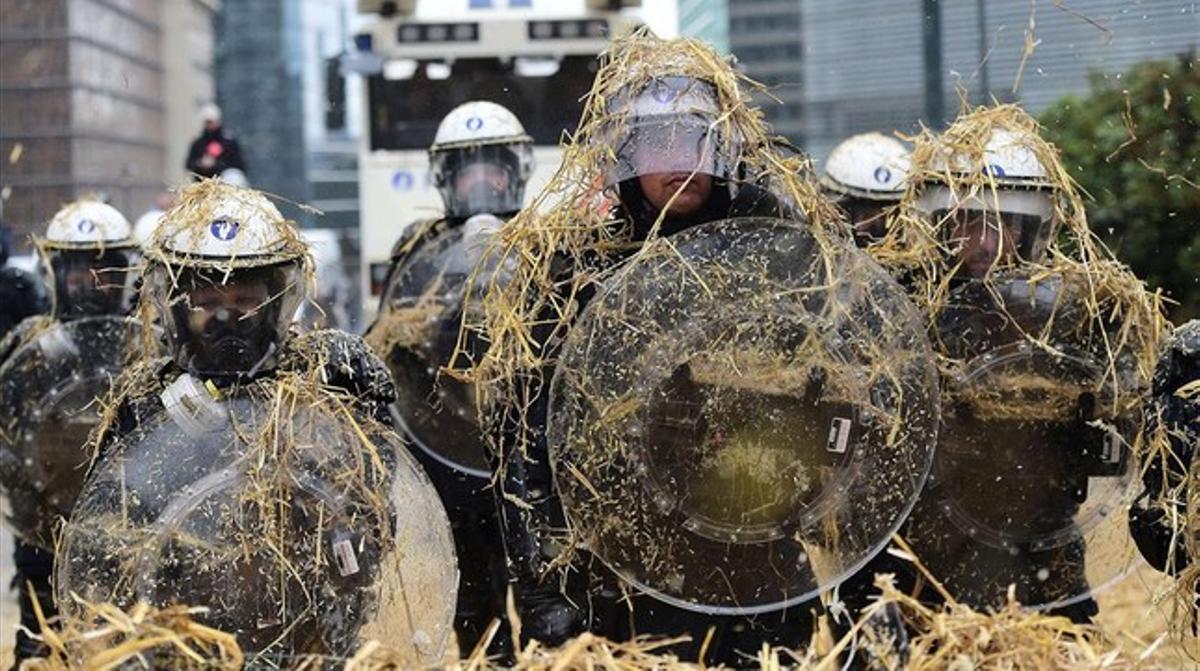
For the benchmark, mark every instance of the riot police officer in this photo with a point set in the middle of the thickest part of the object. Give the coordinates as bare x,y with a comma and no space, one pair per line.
1174,417
225,273
87,255
481,160
1038,417
865,174
671,168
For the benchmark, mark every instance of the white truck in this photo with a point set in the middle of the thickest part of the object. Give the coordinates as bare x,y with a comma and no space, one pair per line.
416,70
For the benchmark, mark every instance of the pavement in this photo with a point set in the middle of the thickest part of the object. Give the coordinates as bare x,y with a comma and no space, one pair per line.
1128,613
8,598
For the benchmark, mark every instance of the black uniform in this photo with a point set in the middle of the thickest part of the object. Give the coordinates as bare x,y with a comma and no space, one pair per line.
593,597
483,585
22,294
1180,418
34,566
348,364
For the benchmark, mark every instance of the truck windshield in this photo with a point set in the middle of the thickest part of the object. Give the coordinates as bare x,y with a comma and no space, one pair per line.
405,113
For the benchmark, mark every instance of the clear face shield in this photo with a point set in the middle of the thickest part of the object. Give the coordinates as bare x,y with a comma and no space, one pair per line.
992,230
677,145
981,241
487,179
668,146
868,218
221,325
88,282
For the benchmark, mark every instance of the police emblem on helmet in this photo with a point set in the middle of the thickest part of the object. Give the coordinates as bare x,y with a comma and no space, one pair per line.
474,123
662,92
883,175
85,226
223,229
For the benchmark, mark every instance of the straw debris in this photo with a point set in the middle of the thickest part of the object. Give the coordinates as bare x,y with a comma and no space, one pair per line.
834,329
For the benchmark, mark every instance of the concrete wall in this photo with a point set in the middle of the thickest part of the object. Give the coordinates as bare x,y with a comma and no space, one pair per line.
187,58
92,100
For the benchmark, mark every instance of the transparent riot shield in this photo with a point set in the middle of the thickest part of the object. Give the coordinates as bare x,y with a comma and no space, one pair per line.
741,420
417,333
1034,472
49,401
304,532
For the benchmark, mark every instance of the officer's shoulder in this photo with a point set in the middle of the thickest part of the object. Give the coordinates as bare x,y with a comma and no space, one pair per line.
145,378
338,359
754,200
134,395
416,233
325,346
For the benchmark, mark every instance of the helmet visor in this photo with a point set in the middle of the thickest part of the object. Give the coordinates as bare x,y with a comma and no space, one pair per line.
980,241
487,179
222,324
669,144
90,283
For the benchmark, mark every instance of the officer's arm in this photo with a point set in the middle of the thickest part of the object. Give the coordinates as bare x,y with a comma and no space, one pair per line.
527,503
1177,417
192,164
347,363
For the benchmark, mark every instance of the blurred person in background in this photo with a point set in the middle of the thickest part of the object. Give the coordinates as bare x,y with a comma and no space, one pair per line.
216,150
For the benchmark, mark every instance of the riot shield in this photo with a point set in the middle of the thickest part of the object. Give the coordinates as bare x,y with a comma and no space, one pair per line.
1034,472
303,530
740,420
49,401
418,332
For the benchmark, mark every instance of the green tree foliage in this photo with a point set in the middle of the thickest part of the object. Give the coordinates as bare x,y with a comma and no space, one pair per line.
1134,144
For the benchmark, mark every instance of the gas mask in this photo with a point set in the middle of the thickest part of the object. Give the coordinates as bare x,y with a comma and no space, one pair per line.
88,283
227,325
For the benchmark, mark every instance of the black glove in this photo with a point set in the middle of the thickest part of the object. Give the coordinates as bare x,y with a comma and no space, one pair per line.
347,364
547,615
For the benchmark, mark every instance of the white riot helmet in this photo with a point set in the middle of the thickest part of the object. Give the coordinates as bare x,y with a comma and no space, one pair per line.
88,252
481,159
866,175
145,226
226,272
1002,183
235,177
870,165
668,125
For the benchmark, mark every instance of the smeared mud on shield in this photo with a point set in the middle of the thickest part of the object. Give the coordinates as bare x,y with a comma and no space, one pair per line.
744,418
50,388
418,333
303,528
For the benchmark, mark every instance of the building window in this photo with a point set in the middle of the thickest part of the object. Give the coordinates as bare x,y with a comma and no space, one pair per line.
335,95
